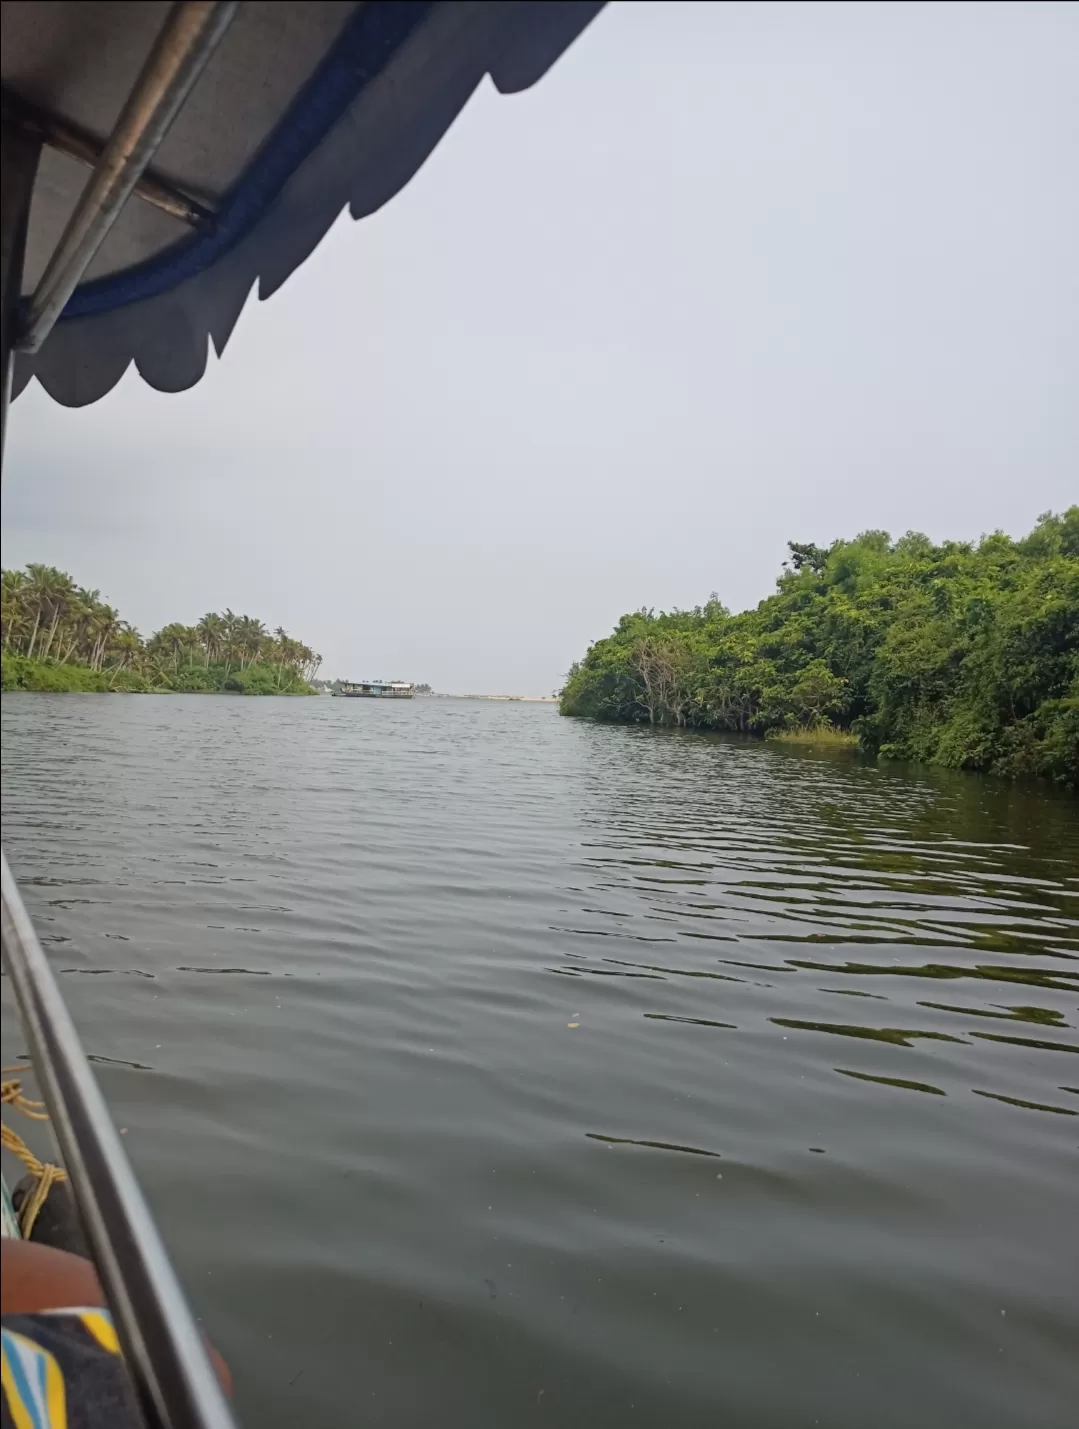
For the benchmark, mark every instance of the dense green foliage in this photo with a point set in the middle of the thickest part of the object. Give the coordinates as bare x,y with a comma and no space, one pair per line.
57,636
21,673
961,655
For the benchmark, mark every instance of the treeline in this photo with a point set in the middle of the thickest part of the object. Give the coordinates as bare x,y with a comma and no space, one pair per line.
961,655
59,636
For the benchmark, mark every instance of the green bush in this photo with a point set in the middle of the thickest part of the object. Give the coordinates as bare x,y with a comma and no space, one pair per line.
264,680
51,676
19,673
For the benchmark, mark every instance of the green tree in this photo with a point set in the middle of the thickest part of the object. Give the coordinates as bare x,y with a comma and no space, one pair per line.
957,654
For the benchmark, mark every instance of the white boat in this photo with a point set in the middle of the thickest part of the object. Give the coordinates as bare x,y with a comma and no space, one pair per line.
376,690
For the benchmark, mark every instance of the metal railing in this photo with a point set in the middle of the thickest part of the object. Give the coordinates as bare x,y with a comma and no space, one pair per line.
164,1350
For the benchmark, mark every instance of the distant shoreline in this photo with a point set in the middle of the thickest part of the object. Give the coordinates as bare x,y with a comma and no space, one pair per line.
503,699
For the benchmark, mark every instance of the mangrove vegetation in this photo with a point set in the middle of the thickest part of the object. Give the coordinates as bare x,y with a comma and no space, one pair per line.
961,654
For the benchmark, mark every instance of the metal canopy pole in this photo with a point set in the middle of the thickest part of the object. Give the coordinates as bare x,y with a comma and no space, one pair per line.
191,33
69,138
175,1383
163,1349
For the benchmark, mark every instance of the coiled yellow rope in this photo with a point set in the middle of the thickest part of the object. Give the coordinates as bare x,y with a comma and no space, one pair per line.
45,1173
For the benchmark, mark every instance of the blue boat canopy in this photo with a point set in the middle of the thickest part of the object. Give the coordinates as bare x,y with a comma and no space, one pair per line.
294,111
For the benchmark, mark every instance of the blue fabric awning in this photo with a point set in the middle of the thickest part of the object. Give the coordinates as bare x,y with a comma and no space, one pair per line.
305,109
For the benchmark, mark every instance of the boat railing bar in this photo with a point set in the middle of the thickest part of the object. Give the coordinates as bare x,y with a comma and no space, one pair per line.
163,1347
191,33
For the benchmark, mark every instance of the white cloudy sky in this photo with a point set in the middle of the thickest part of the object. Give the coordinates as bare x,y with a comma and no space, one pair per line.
732,274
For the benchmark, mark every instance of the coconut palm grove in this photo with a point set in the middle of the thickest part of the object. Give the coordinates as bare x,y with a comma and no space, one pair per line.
59,636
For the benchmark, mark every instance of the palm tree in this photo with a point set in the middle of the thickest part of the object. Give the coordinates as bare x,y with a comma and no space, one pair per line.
42,586
126,647
211,632
249,636
58,592
106,625
229,623
171,643
76,624
279,652
13,605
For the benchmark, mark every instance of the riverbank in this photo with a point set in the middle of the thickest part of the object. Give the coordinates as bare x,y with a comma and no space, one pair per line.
824,735
17,672
503,699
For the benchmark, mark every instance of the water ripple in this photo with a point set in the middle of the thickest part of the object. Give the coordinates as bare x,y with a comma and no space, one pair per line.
430,999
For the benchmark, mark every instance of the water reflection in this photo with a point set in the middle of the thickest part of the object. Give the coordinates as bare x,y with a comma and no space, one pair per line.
1030,1106
693,1021
892,1082
653,1145
897,1036
1043,1043
987,972
1045,1016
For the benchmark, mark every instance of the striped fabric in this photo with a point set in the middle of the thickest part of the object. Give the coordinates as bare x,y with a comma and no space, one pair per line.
33,1384
62,1370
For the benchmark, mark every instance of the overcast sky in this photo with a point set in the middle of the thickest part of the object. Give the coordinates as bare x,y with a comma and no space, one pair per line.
732,274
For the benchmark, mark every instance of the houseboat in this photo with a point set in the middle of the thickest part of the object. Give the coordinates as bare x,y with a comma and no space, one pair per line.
376,690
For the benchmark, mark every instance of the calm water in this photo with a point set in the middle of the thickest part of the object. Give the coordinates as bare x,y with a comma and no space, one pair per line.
492,1069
